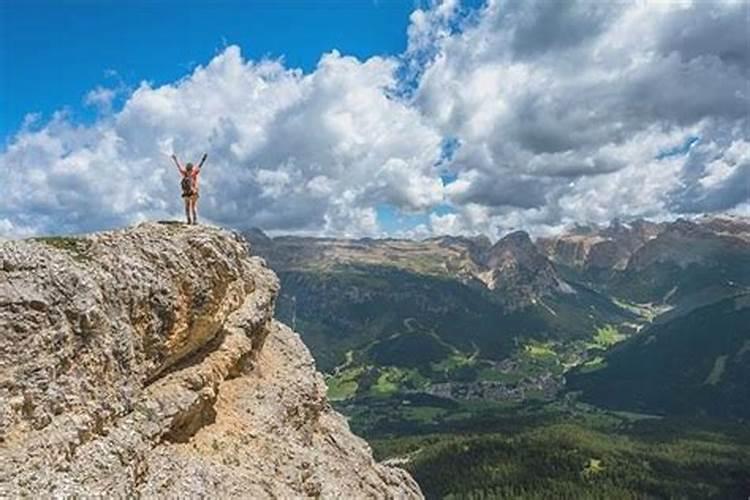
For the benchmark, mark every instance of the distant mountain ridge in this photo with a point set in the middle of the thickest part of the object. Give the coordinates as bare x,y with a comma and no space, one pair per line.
514,265
370,285
591,248
612,258
462,317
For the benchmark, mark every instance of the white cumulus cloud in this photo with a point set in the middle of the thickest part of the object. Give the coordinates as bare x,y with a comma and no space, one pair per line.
580,110
287,152
555,112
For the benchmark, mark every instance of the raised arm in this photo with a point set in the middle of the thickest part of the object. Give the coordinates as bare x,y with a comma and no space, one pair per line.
179,167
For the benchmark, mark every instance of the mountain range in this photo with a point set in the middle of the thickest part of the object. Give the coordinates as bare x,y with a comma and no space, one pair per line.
463,317
600,363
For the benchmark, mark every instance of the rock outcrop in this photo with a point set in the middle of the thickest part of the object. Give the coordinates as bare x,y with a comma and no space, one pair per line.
597,249
684,242
519,273
146,362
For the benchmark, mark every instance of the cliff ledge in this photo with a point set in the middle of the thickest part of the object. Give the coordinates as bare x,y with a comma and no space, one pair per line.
146,362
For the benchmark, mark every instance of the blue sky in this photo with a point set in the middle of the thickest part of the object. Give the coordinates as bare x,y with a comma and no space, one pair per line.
373,117
53,52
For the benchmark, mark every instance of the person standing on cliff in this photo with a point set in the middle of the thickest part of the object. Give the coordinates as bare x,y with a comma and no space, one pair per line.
189,185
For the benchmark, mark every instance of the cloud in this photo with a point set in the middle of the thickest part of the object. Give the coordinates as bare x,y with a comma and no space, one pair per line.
554,112
562,108
716,176
101,98
287,151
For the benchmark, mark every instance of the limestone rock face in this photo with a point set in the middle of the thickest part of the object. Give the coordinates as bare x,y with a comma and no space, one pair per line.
589,248
519,272
146,362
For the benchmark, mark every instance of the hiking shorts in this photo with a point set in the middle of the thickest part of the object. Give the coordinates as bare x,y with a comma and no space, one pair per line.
190,196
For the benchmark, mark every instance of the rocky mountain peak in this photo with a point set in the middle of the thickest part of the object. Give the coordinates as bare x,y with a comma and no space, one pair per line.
516,269
517,238
682,226
683,242
600,248
257,236
516,246
147,362
728,224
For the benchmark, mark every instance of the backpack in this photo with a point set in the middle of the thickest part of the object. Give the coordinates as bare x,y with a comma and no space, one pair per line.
187,184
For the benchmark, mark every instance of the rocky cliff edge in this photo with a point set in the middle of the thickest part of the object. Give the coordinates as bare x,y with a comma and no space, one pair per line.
146,362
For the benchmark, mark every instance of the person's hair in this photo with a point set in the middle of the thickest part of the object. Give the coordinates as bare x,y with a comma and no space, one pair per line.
189,166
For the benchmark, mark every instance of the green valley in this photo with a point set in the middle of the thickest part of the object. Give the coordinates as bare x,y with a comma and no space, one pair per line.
608,364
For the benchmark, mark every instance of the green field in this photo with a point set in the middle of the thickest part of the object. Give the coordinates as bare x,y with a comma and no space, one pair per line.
606,337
